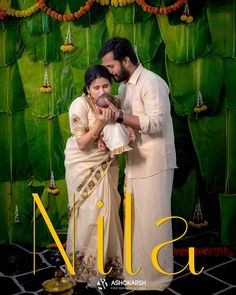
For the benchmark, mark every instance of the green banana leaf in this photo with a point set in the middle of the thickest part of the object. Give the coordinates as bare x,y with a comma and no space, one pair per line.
186,80
94,15
146,35
87,44
14,159
5,189
185,196
56,205
208,136
64,126
78,80
129,14
40,22
185,154
157,65
222,23
44,47
195,9
185,42
230,90
228,219
12,92
45,147
11,44
60,78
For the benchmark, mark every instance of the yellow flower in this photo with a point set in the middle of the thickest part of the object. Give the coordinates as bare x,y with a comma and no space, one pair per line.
203,108
53,191
45,89
183,17
197,110
189,19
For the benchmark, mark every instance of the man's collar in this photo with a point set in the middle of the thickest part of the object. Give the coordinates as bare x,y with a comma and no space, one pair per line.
135,76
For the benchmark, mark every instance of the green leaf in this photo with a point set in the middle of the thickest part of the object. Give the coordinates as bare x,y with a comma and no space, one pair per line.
222,23
60,78
230,90
12,93
45,47
45,147
146,35
14,159
87,44
208,136
128,14
185,42
94,15
11,44
186,80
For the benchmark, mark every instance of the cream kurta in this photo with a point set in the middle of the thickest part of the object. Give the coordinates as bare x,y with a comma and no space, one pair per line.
92,177
149,174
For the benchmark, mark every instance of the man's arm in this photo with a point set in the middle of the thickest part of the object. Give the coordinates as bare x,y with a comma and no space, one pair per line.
129,120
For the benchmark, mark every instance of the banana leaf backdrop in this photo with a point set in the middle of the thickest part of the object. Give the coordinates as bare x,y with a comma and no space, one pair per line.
196,58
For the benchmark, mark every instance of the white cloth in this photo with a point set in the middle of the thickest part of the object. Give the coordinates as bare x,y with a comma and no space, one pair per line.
151,202
116,138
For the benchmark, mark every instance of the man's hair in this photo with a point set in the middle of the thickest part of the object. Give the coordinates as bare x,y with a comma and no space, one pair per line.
121,48
102,103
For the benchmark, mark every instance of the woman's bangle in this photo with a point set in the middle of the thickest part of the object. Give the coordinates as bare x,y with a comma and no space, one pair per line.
92,134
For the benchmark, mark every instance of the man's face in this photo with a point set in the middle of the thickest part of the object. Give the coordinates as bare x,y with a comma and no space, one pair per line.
115,67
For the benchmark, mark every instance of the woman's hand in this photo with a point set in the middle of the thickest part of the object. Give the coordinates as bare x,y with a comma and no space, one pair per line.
104,115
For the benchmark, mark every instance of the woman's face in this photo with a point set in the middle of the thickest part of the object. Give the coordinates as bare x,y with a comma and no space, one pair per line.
98,87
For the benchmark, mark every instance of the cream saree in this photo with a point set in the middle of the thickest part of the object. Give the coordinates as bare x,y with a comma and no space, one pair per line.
92,177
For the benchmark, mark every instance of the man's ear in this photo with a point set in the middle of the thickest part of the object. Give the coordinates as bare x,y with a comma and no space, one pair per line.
126,61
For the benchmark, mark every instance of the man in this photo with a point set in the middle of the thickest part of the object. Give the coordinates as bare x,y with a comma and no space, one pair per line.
149,171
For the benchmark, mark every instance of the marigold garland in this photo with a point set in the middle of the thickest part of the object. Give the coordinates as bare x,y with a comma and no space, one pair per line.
162,10
65,17
40,4
22,13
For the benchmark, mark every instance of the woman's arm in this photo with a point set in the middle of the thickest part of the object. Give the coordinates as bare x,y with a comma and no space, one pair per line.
104,116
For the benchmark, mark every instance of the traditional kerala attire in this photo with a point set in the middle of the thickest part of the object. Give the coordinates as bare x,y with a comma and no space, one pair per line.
149,176
92,177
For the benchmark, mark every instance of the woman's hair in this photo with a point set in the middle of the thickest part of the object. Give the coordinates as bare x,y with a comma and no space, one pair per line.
121,48
94,72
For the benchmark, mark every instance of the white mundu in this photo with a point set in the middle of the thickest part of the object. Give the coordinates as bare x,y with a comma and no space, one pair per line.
116,138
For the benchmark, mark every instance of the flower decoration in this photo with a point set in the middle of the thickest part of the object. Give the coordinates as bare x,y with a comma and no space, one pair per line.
3,14
46,88
116,3
161,10
52,189
65,17
186,17
200,107
198,220
40,4
68,46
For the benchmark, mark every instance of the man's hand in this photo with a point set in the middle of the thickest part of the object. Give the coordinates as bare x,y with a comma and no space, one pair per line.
114,110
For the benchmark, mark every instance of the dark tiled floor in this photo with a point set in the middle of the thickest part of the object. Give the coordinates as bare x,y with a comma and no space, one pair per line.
16,274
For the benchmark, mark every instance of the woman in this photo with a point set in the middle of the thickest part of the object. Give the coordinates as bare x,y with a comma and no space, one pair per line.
92,178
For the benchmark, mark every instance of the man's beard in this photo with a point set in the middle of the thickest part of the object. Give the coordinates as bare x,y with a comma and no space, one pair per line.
123,75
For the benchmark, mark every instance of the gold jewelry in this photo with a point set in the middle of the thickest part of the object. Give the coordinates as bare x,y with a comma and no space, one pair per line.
92,134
